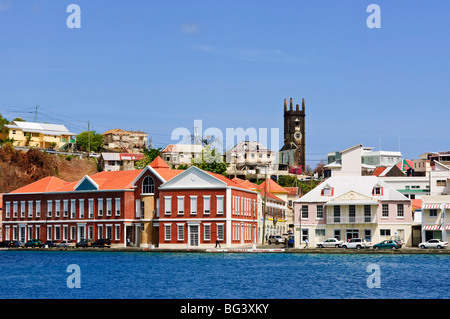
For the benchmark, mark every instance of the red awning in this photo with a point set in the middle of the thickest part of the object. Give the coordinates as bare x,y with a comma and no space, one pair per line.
432,227
432,206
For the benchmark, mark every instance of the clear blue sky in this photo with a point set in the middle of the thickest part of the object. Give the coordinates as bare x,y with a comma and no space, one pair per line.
158,65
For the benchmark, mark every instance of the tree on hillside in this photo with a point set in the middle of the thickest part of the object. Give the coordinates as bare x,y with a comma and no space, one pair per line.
89,140
211,161
149,156
3,129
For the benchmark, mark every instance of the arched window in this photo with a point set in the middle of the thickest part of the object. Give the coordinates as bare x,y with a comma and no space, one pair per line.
148,185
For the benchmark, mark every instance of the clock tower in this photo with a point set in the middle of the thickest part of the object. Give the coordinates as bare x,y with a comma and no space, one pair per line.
293,151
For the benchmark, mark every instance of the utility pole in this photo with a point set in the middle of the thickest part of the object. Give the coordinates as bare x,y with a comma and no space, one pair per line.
265,206
89,141
35,114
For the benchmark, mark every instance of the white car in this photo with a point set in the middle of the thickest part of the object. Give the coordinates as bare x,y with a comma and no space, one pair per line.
275,239
330,242
357,243
434,243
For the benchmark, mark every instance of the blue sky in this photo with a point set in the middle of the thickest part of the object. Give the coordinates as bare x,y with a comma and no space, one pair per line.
159,65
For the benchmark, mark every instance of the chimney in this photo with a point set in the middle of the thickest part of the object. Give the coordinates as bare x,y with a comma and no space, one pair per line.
291,104
296,107
285,105
303,105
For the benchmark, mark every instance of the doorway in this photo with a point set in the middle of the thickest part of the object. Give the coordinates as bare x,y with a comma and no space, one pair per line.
194,235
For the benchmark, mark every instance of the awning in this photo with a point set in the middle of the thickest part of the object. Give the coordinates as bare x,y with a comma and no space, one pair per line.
447,206
447,227
432,206
432,227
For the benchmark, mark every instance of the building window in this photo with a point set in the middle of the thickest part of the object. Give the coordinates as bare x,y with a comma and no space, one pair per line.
304,211
219,231
148,185
49,208
320,232
207,232
91,208
38,208
180,204
337,214
167,205
440,183
81,208
117,232
22,209
109,232
385,232
30,209
400,212
49,232
327,191
352,213
167,229
108,207
193,205
57,208
219,204
206,204
180,232
385,210
117,206
433,212
65,208
57,233
367,214
72,208
377,190
100,207
7,209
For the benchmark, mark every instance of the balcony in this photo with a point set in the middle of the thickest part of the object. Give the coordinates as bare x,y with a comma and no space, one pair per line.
351,219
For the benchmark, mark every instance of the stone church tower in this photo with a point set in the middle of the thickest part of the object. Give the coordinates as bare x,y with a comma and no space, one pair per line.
293,151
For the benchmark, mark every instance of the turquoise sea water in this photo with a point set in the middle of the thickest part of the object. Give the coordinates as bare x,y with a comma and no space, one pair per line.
124,275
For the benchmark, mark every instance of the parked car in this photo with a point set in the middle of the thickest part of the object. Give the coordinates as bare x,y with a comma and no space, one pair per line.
102,243
15,244
84,243
49,244
275,239
387,244
33,243
66,243
5,243
330,242
357,243
434,243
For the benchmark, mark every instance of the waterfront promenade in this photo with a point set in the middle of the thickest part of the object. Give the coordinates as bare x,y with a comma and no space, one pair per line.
248,249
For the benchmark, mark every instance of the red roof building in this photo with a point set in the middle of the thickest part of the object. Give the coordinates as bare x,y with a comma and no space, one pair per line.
200,209
119,206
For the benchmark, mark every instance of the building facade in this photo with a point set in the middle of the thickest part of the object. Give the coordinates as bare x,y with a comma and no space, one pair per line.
346,207
125,141
41,135
201,210
120,206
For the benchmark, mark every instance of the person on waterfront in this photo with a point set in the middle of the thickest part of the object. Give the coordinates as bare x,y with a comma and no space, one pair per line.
217,243
306,243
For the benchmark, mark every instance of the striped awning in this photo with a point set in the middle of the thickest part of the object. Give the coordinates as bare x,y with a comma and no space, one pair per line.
432,206
447,227
432,227
447,206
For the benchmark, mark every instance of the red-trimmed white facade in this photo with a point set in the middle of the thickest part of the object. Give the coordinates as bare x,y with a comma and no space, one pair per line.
198,208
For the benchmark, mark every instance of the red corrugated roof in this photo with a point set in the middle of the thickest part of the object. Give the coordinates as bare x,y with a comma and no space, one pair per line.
378,171
46,184
272,187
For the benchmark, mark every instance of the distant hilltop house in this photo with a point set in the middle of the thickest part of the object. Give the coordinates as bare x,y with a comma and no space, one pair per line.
42,135
248,157
126,141
181,154
111,162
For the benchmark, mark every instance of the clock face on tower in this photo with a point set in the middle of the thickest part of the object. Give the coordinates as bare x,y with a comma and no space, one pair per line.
298,136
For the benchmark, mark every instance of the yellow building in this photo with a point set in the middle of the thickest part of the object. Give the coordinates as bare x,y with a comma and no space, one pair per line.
40,135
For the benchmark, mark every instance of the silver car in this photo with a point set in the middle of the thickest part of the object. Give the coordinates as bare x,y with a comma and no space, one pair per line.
434,243
330,243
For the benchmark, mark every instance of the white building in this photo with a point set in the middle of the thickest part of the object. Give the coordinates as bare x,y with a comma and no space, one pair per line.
181,154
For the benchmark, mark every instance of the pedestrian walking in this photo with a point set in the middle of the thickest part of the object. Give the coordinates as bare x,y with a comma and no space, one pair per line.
306,243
